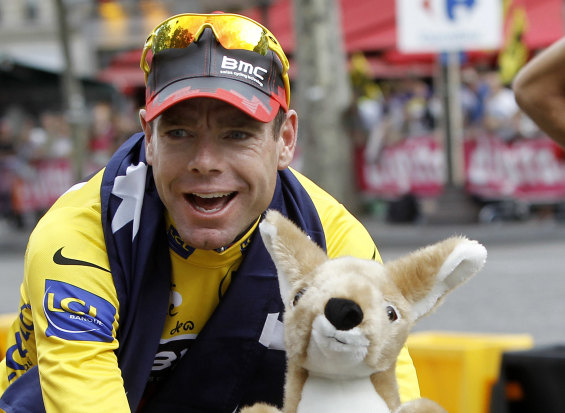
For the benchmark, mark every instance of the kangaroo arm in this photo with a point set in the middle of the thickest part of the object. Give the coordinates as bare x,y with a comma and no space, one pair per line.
295,378
387,387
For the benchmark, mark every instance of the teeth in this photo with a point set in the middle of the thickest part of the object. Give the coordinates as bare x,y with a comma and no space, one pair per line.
207,210
212,195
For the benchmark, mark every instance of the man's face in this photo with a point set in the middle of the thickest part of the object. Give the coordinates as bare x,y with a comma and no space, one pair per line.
215,168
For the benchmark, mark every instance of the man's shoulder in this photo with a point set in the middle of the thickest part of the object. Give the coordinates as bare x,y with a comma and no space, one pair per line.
345,234
318,195
326,205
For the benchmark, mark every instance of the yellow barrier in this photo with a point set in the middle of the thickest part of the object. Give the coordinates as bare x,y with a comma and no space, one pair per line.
458,370
5,323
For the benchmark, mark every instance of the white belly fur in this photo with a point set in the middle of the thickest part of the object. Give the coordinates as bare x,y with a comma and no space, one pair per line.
322,395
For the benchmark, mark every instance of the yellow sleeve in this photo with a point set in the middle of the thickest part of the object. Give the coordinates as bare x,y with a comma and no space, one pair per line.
345,235
74,307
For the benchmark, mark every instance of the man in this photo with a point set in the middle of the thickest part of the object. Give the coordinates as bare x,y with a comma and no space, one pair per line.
148,287
540,90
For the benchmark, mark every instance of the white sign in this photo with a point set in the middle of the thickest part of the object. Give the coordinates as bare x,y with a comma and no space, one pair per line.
448,25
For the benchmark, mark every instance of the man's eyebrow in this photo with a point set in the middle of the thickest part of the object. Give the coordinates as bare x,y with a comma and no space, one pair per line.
238,120
229,117
226,118
173,118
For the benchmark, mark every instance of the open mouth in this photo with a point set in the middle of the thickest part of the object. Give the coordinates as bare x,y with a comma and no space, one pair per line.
211,202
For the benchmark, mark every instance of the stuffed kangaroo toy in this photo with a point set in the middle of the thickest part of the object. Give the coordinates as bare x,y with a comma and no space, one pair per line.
346,319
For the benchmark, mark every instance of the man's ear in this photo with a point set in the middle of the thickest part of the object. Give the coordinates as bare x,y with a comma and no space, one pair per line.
287,136
147,130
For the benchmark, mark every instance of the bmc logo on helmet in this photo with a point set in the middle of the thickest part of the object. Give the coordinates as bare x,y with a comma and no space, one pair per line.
229,63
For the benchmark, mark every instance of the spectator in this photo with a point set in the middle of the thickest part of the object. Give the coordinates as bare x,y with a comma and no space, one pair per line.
501,111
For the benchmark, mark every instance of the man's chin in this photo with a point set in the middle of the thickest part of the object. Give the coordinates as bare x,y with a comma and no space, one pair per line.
207,239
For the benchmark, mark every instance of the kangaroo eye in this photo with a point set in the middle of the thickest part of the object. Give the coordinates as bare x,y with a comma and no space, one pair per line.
298,295
391,313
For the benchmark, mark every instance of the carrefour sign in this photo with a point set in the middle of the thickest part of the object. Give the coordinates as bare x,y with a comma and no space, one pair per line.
448,25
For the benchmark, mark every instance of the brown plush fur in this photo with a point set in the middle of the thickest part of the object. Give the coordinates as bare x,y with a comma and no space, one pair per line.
321,340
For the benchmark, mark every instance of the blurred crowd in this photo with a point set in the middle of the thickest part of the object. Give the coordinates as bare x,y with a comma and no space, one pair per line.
31,145
390,111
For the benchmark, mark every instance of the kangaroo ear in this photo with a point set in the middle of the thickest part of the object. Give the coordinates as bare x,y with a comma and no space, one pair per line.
293,253
427,275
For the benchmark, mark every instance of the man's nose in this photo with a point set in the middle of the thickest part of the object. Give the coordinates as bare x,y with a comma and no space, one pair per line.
205,157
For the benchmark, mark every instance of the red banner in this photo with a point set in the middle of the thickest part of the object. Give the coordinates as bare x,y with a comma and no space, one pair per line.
527,169
415,165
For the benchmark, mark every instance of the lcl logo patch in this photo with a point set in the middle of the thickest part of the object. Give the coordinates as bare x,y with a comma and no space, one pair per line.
76,314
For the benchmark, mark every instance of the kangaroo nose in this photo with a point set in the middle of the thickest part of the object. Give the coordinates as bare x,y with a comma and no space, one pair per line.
344,314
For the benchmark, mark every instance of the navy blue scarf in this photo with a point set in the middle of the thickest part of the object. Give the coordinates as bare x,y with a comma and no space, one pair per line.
133,223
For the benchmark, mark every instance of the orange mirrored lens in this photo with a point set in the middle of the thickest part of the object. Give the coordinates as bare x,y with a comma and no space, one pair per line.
232,32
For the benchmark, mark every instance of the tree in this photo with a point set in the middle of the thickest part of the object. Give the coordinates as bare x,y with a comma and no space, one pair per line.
323,95
73,96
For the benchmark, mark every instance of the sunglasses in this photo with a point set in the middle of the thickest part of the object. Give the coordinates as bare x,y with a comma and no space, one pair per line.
233,31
